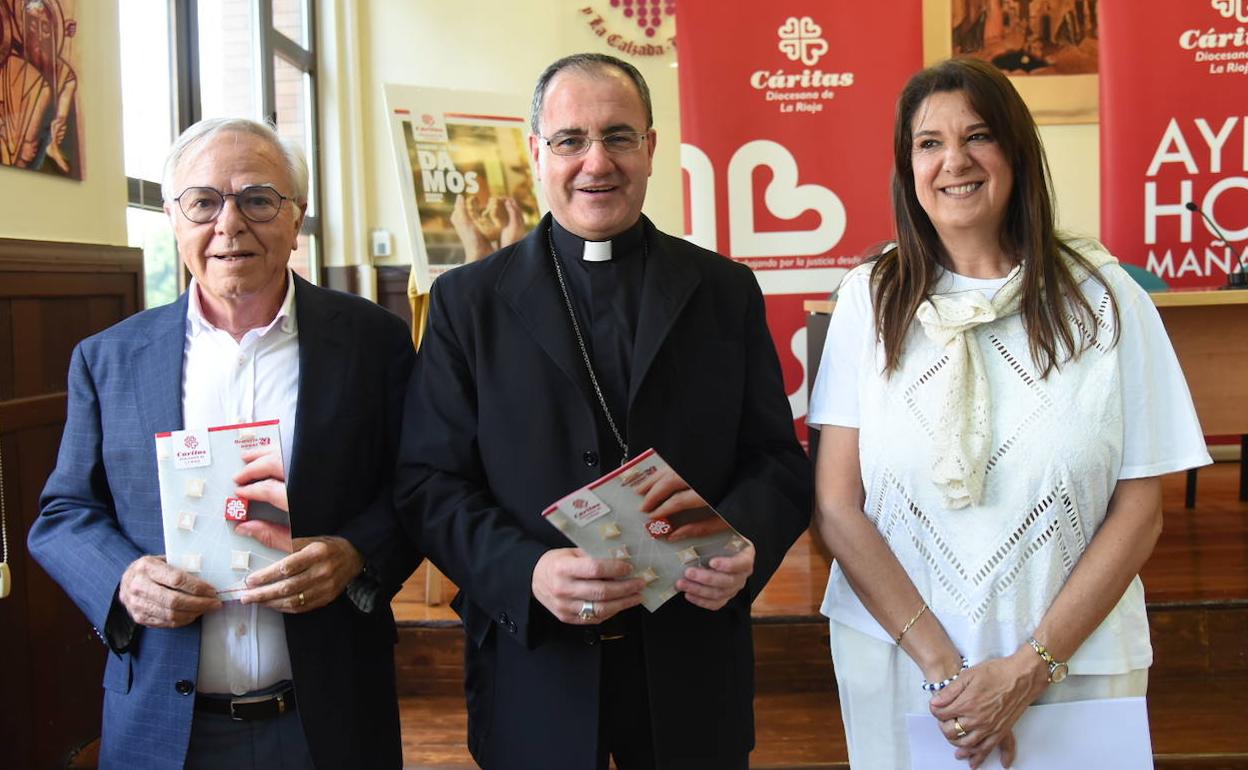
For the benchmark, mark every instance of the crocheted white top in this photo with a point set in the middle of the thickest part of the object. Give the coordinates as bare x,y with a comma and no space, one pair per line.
1059,445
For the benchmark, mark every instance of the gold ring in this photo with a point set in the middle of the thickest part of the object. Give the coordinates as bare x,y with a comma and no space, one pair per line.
958,726
302,600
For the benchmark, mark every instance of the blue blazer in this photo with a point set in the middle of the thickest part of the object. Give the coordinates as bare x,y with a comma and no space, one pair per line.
101,511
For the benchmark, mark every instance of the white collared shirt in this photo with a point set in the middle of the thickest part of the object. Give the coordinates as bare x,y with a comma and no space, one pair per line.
226,382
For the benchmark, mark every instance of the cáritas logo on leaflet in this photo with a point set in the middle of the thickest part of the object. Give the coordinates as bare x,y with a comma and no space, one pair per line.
583,507
802,40
192,450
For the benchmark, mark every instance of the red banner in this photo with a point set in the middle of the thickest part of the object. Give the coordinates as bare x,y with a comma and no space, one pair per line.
786,112
1174,76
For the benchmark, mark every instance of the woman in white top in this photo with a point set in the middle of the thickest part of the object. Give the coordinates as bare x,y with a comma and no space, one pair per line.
996,405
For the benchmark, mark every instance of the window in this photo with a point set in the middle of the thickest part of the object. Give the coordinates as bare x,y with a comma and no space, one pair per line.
184,60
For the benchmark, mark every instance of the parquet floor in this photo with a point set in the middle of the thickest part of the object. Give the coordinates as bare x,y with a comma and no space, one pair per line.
1201,561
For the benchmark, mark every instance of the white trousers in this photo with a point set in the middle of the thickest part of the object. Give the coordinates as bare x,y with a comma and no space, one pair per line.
879,684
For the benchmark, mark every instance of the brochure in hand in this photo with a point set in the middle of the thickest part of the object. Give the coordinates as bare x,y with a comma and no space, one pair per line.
200,509
604,519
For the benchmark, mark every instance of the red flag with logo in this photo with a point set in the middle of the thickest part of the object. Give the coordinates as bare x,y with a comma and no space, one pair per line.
786,130
1174,137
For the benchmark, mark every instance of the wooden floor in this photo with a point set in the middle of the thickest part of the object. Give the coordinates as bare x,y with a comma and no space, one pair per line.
1197,588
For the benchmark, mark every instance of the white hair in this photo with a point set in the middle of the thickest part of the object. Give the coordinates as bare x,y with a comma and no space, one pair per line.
292,154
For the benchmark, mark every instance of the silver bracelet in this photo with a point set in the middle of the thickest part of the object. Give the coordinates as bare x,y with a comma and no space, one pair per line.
934,687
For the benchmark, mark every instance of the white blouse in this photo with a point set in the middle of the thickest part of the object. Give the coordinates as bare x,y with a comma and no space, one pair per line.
990,571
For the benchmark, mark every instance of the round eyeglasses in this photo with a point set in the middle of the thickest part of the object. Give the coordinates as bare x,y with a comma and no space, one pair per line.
258,203
579,144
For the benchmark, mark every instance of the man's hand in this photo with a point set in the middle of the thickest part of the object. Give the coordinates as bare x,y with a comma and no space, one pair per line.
565,578
160,596
666,493
314,575
712,588
318,568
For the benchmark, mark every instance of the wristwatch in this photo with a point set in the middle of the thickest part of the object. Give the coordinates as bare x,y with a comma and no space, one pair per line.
1057,669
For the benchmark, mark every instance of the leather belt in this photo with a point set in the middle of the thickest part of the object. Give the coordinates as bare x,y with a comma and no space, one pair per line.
248,708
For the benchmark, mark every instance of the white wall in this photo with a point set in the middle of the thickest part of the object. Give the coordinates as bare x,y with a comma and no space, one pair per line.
43,207
1074,154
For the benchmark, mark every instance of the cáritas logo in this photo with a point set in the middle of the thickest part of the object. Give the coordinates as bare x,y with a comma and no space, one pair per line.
802,40
1232,9
1217,39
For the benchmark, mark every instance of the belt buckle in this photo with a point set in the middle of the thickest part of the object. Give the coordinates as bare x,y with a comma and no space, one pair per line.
255,700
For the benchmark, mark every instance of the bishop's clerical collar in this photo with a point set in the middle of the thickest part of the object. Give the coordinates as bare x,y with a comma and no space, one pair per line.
572,247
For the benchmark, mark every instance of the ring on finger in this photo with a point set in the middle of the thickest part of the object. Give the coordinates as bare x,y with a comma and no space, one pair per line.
959,728
302,599
588,612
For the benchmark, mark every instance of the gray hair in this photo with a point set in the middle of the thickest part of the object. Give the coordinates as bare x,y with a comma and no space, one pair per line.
593,64
295,162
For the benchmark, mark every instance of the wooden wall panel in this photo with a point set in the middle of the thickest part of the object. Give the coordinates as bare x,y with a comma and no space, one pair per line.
51,296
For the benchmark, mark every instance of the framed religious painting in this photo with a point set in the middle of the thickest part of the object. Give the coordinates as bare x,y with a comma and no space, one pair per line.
40,119
1048,48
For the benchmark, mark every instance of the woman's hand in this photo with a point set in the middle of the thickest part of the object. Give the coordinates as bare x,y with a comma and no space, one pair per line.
986,701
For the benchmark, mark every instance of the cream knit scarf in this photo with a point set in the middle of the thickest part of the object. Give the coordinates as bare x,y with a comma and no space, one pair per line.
964,428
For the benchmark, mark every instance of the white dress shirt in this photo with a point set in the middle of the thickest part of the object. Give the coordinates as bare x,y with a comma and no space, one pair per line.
224,382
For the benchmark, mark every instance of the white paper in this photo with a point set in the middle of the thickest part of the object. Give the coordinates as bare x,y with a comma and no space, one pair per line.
1108,734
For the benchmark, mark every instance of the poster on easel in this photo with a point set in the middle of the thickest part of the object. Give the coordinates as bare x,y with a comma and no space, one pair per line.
465,174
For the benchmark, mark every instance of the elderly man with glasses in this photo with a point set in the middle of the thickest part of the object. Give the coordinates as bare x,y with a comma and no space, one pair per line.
552,362
299,670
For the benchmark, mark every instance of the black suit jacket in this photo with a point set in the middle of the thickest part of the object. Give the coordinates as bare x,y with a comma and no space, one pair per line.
500,423
101,510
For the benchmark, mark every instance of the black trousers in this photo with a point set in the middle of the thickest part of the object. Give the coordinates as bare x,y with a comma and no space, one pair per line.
624,725
624,731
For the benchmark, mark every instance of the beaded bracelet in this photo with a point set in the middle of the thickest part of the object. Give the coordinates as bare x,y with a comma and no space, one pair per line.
934,687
